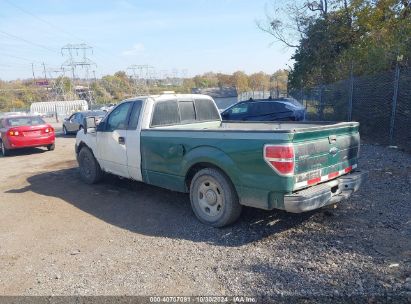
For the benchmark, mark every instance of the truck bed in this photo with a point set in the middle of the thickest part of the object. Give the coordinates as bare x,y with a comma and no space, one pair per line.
277,127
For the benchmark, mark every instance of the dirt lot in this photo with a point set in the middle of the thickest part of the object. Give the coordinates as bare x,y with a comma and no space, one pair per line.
59,236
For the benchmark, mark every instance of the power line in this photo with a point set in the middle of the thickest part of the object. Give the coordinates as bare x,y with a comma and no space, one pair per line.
28,41
54,26
42,20
18,57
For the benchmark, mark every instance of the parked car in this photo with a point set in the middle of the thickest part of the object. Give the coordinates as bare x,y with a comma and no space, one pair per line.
107,108
25,131
178,142
283,109
75,122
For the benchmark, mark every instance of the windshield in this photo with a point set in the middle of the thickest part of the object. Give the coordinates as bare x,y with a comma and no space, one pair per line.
24,121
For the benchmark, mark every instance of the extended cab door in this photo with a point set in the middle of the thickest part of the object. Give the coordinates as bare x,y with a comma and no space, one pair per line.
133,142
112,138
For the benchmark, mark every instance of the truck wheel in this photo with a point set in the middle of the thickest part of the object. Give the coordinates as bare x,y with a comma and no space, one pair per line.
4,151
213,198
90,170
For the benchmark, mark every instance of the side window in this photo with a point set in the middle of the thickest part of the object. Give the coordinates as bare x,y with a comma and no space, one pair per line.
79,117
282,108
118,117
135,115
264,108
187,111
165,113
239,109
206,110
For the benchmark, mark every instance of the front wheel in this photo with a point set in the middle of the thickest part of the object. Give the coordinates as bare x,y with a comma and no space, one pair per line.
90,170
4,151
213,198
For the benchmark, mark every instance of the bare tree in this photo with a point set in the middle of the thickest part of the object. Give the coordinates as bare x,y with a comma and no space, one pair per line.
287,23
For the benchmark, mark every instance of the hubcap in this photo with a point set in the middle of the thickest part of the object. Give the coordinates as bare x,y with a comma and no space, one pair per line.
210,197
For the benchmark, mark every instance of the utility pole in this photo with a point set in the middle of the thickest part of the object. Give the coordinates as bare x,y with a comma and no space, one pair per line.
45,78
32,70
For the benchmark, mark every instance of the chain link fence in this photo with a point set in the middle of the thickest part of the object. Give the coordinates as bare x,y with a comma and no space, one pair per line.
381,103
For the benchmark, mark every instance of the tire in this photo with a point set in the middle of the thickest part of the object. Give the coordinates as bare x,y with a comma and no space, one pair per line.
51,147
65,132
90,170
214,199
3,150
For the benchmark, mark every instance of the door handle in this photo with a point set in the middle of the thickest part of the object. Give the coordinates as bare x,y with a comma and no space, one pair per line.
121,140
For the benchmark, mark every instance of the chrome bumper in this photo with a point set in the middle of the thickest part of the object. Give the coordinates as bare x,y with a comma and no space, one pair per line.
324,194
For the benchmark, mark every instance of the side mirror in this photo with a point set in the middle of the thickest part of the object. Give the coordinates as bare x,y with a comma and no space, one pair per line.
89,122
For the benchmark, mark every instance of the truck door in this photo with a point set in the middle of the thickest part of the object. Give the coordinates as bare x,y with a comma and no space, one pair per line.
111,140
133,142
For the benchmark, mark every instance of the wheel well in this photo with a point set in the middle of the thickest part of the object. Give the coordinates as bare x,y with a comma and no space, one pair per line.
80,146
199,166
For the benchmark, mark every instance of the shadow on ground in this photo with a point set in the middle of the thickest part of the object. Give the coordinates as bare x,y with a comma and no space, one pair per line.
26,151
153,211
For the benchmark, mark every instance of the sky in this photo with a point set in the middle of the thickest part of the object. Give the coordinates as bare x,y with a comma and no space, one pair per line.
187,37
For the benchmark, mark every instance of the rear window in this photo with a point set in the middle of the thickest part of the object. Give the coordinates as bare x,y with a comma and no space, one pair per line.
187,111
206,110
294,102
24,121
166,113
171,112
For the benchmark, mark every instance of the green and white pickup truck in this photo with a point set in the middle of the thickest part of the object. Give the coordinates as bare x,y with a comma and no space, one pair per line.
178,142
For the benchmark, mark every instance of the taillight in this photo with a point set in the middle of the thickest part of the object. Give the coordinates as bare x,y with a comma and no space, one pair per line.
13,133
280,158
48,130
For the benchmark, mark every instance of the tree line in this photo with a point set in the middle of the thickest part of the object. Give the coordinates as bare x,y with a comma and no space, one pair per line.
18,94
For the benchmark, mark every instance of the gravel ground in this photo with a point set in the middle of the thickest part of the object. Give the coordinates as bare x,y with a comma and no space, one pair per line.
59,236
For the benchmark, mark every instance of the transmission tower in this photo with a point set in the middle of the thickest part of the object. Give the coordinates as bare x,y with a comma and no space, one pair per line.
77,58
142,76
56,78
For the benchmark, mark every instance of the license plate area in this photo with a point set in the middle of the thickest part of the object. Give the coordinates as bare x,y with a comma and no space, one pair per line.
32,133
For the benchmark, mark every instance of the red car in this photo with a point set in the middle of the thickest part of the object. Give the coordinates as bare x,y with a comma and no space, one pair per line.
23,132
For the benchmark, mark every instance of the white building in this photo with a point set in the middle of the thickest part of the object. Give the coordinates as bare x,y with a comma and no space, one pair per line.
63,108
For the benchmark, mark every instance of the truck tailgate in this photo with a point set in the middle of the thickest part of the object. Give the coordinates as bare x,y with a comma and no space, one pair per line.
325,153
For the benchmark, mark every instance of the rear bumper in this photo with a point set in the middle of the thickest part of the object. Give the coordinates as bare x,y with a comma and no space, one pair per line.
324,194
26,142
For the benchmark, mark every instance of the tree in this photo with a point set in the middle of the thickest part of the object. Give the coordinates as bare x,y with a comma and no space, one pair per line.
331,37
259,82
279,82
240,81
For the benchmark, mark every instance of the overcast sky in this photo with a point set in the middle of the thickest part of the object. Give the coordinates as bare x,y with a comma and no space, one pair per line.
195,35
